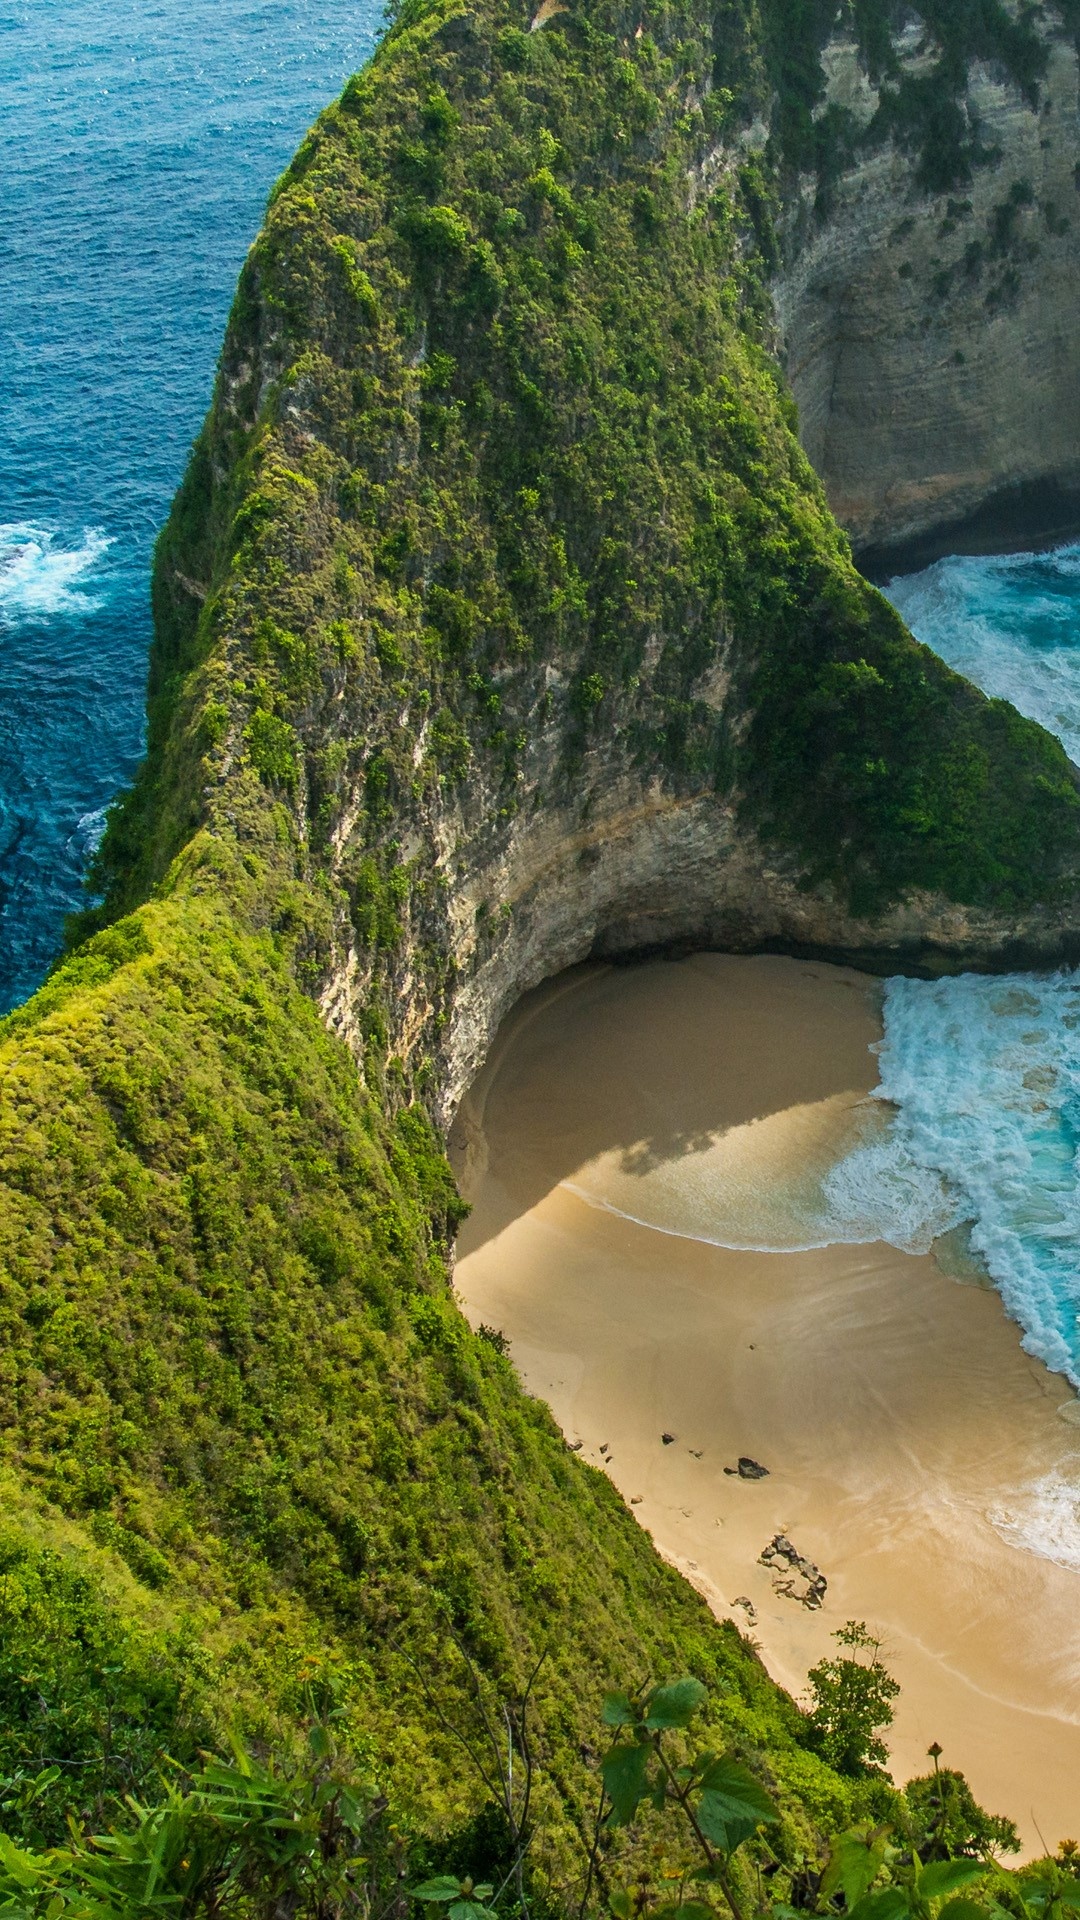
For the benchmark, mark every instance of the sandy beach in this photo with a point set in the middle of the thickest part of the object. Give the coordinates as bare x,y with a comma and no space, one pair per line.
915,1453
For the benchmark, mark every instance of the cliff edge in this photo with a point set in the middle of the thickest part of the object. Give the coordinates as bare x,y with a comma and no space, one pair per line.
929,276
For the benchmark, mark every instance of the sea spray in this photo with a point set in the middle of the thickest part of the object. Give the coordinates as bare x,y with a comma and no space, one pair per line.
42,574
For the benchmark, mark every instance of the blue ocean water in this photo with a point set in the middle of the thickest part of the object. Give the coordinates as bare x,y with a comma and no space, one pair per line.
142,138
1011,623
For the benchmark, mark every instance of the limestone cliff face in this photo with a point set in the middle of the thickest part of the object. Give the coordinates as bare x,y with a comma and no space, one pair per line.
621,864
930,339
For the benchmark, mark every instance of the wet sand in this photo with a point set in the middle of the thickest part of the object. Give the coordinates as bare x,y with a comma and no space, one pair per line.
910,1442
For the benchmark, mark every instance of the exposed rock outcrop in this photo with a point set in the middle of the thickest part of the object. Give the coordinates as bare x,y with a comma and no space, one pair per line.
930,338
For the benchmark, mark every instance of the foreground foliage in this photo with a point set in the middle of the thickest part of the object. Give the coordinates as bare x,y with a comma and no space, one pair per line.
253,1839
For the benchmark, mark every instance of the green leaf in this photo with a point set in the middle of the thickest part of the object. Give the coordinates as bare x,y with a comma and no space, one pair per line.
732,1804
854,1861
1069,1894
889,1903
962,1907
443,1887
625,1775
948,1876
319,1741
469,1910
685,1910
621,1904
674,1705
617,1711
24,1868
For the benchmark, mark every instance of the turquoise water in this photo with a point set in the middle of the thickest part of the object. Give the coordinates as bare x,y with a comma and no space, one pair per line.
984,1074
142,138
1011,623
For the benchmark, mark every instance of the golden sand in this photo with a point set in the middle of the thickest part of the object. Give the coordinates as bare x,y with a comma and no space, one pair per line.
911,1444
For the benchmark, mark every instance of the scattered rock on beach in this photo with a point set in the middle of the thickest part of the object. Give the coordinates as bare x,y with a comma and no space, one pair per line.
744,1601
796,1577
668,1439
748,1469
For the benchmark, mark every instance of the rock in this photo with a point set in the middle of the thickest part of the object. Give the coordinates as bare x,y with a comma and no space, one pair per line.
636,1500
696,1451
604,1446
748,1469
575,1446
668,1439
794,1575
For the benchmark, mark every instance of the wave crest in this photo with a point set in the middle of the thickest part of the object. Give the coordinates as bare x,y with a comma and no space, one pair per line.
40,575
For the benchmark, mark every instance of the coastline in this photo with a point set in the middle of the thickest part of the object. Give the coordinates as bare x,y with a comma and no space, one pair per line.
909,1440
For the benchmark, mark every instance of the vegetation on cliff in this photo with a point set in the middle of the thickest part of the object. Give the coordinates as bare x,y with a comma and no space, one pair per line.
497,448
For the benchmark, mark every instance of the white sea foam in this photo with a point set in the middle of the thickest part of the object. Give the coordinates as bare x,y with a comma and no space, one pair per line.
1043,1518
985,1074
984,1079
88,834
40,574
1011,624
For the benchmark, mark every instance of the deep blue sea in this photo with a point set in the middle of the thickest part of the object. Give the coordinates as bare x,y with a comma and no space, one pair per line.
141,140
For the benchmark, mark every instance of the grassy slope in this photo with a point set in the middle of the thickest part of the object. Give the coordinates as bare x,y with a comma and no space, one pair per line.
517,410
231,1355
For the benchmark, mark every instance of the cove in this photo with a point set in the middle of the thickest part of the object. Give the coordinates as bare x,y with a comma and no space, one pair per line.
691,1218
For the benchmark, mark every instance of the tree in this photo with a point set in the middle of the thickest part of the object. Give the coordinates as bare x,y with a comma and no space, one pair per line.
851,1703
946,1819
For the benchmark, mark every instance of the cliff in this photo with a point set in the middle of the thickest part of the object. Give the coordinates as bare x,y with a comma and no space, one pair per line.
500,619
926,295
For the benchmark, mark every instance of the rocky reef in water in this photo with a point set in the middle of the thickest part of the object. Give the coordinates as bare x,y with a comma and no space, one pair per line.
501,619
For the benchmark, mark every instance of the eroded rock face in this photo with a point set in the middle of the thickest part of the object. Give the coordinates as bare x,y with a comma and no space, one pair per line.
930,340
623,867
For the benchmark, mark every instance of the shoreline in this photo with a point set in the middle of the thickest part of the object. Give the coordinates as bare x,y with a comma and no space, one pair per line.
904,1429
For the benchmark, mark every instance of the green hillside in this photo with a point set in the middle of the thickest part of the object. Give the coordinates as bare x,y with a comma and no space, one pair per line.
497,447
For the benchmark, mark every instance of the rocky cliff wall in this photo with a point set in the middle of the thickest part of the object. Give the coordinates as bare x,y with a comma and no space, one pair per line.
930,338
625,866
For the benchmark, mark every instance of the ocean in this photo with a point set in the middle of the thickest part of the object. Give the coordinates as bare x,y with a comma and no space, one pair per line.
142,137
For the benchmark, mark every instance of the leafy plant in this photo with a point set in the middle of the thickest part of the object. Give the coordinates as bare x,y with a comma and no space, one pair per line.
851,1703
719,1800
